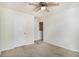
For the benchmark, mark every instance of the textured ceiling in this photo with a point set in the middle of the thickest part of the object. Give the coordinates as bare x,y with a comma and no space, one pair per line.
26,8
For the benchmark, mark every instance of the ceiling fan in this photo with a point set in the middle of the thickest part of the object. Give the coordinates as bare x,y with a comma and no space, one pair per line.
43,6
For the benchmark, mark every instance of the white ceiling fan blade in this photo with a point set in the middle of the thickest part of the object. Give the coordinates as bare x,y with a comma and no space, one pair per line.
37,9
52,4
33,4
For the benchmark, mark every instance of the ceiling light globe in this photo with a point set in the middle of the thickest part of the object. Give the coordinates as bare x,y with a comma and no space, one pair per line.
43,8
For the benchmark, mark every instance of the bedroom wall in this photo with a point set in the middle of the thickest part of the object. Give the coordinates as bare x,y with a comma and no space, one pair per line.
62,29
16,29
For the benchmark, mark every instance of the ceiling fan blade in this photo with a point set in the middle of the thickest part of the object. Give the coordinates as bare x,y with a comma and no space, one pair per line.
37,9
53,4
33,4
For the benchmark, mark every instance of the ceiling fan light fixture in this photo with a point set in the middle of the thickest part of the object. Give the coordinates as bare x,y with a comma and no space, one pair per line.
43,8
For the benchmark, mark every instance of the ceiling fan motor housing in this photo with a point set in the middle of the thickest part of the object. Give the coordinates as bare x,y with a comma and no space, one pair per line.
43,4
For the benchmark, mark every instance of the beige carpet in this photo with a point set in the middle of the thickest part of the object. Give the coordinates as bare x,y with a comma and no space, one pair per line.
39,50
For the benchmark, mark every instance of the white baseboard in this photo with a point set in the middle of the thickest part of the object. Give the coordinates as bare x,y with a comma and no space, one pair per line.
63,46
16,45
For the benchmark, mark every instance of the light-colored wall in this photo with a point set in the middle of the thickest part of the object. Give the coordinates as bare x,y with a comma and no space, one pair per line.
62,29
13,24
